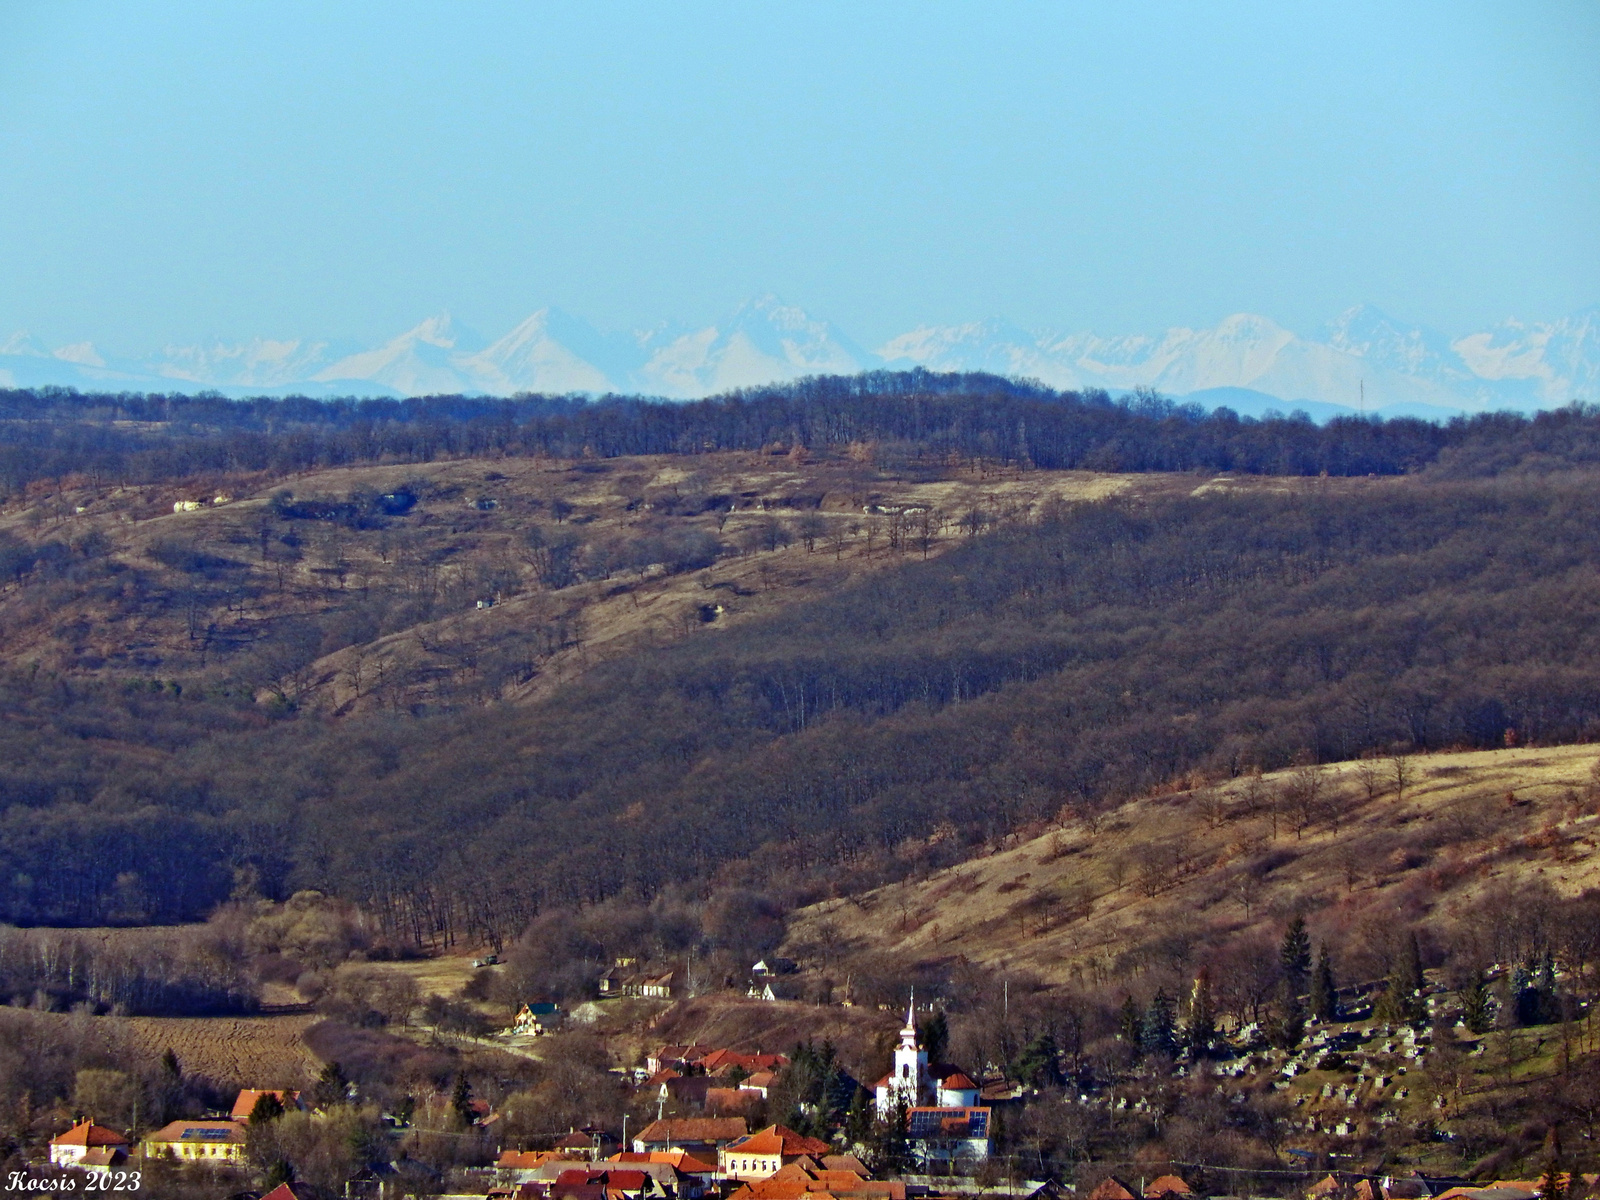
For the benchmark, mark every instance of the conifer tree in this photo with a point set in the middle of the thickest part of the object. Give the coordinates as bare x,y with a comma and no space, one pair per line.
461,1101
1324,991
1477,1007
1290,1028
1130,1025
266,1108
1159,1032
1295,955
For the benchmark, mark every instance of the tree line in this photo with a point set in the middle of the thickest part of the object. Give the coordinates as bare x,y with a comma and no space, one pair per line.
51,433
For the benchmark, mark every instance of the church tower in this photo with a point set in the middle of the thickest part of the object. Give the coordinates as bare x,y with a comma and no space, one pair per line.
908,1081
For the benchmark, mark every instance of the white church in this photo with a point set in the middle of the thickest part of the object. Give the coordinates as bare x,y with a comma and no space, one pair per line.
919,1084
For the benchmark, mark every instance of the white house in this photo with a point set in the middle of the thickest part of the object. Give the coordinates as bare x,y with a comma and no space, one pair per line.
70,1148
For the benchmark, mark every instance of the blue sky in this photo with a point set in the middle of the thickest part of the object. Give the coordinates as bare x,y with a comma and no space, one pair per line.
173,171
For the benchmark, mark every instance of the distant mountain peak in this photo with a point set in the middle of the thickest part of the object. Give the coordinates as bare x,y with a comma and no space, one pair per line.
82,353
1396,365
24,343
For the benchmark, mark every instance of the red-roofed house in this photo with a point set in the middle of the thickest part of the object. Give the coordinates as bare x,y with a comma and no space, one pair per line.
69,1148
1111,1188
698,1135
249,1097
762,1154
1167,1187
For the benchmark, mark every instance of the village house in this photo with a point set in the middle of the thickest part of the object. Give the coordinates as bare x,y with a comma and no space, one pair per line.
84,1140
617,982
614,1184
724,1062
1168,1187
683,1059
763,988
198,1141
522,1166
764,1153
698,1135
1111,1188
250,1097
535,1019
678,1172
579,1144
729,1102
806,1178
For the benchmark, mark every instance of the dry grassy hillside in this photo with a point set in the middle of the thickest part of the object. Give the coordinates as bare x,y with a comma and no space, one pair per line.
338,609
1146,883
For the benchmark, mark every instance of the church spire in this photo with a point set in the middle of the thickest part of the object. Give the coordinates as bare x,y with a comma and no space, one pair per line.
908,1035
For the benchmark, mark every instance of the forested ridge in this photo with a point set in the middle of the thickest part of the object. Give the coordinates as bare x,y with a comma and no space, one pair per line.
53,433
1088,655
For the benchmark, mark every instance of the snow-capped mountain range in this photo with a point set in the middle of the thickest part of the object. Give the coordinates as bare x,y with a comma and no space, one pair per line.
1364,358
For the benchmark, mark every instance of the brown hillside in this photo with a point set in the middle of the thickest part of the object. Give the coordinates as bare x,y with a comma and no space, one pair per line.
1106,898
232,590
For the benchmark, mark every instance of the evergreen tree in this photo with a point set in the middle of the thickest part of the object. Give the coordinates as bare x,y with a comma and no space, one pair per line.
266,1108
1289,1030
1534,987
1412,961
332,1087
461,1101
1477,1006
1130,1025
1295,955
858,1119
1160,1027
934,1033
1402,1002
1324,991
1039,1063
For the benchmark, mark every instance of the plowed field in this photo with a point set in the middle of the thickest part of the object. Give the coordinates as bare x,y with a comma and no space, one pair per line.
234,1051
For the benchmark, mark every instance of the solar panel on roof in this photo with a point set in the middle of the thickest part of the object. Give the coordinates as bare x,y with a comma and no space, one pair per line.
208,1135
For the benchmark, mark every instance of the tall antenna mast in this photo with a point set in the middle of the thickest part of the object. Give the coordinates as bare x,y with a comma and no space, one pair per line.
1363,397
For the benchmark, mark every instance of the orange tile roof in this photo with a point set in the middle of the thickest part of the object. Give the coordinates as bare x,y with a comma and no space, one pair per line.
246,1103
86,1134
1111,1188
958,1082
693,1129
526,1160
776,1139
1163,1185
